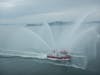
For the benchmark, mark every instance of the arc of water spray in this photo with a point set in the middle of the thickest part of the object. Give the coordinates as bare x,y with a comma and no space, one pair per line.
84,33
79,22
51,34
77,26
40,38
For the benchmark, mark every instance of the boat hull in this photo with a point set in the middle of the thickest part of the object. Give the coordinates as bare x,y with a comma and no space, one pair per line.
59,58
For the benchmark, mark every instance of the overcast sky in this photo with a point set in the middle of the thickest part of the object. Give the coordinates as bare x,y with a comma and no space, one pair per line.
10,9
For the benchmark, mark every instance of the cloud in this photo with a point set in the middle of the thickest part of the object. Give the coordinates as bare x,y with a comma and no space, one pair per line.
17,8
68,15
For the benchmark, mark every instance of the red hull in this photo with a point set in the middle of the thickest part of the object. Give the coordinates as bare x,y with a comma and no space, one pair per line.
55,57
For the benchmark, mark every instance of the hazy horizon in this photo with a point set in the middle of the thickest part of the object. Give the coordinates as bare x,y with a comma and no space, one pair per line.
30,11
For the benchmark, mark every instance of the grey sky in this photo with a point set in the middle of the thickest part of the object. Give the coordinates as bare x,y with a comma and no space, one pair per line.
18,8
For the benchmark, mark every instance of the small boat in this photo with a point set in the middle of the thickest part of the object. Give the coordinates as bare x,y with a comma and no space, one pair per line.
59,55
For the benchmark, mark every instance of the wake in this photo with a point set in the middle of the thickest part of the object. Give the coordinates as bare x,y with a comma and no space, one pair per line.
77,61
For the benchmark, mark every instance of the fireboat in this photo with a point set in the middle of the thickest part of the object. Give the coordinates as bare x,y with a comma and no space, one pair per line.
59,55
